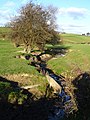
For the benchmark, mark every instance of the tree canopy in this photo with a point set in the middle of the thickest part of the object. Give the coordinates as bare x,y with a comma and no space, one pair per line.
34,26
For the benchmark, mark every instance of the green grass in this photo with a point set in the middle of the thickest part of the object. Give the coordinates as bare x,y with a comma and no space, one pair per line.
74,38
5,29
11,65
5,32
76,59
77,56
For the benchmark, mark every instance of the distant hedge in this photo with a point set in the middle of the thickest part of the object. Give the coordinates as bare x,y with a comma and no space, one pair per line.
5,32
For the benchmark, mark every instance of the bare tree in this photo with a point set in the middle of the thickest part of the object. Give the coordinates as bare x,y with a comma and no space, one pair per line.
34,27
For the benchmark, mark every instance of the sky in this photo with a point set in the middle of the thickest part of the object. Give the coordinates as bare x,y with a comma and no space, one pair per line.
73,16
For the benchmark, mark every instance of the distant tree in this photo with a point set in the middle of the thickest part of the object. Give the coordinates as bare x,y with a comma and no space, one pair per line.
34,27
88,34
83,34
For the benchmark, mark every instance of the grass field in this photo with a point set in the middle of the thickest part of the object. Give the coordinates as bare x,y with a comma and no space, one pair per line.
4,29
4,32
75,39
18,70
75,61
77,57
9,64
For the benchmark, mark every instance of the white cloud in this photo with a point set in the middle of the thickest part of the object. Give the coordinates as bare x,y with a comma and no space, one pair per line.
73,28
9,4
3,22
7,11
24,1
74,12
4,14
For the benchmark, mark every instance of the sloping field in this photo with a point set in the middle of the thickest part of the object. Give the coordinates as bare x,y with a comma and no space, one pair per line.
75,61
75,39
4,32
9,64
77,57
5,29
18,70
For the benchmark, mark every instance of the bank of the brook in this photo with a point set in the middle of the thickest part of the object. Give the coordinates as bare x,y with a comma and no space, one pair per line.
65,104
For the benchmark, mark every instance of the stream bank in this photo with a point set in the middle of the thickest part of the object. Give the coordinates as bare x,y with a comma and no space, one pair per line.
66,104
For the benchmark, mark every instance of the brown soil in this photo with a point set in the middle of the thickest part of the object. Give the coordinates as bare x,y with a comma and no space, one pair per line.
24,80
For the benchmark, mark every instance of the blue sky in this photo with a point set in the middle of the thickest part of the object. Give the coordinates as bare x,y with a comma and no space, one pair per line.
73,16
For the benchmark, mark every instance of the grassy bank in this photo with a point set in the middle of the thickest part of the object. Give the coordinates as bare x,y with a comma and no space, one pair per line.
18,70
75,39
77,56
75,61
9,64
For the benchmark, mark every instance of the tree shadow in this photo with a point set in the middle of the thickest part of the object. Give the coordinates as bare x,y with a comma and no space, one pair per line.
44,56
82,95
14,84
54,50
33,109
57,50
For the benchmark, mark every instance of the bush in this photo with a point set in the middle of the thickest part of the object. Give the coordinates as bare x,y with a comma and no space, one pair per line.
17,97
11,94
5,89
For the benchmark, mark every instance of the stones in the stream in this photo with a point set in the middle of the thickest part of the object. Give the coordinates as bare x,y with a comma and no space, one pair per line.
45,57
65,105
68,107
26,57
56,87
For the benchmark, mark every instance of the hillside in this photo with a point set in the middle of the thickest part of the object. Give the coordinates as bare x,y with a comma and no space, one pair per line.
4,29
75,38
70,60
4,32
77,56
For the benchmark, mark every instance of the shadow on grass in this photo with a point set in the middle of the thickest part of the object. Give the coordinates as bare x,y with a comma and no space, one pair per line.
82,83
55,50
14,84
39,108
82,94
32,109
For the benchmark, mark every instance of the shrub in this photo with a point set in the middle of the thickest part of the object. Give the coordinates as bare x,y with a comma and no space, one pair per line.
12,94
17,97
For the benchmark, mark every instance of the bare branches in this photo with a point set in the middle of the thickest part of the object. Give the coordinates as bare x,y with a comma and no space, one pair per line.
34,26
